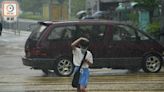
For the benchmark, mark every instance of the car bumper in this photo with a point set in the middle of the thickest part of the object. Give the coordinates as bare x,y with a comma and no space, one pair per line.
163,60
39,63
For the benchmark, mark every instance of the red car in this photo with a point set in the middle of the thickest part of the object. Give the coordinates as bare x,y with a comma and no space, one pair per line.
113,44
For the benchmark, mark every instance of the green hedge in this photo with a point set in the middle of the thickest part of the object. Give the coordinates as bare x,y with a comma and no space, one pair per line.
154,29
29,15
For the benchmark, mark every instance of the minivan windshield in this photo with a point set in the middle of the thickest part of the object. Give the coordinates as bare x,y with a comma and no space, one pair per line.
36,31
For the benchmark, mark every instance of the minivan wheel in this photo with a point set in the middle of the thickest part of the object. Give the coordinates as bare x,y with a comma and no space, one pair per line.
152,63
45,71
64,66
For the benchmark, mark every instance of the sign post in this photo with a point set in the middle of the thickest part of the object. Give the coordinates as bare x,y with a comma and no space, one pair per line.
10,11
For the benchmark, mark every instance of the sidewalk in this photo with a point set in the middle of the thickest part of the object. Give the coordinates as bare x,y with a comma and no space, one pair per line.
9,35
15,32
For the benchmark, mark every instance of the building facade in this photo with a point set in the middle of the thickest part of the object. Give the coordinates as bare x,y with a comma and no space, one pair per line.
102,5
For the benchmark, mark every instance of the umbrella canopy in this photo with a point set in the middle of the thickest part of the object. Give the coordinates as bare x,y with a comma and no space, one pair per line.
81,12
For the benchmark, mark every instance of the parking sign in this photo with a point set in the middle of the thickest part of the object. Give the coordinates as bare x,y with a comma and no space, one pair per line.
10,9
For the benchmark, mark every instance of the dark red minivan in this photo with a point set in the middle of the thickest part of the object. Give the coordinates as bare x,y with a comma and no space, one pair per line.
113,44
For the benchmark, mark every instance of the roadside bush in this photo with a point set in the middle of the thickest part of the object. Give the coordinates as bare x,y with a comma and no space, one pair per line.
154,30
133,16
30,15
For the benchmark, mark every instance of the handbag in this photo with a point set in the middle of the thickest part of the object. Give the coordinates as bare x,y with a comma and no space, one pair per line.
76,76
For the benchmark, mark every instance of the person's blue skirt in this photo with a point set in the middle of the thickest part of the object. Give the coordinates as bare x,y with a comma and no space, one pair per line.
84,77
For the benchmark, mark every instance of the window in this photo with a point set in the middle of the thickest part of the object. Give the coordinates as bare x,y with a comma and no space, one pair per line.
116,35
92,32
36,31
99,31
122,32
84,31
142,36
61,33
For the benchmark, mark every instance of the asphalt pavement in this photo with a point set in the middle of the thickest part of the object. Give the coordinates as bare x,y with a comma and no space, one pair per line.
15,77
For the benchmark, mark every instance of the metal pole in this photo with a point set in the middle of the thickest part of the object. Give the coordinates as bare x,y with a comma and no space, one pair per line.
69,9
18,26
61,11
50,9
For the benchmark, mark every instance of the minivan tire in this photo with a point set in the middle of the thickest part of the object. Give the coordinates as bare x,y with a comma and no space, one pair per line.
64,66
45,71
152,63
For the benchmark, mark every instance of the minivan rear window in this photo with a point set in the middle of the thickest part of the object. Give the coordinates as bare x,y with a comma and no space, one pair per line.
36,31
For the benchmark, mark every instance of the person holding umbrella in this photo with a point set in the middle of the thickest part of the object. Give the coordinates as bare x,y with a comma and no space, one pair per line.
79,49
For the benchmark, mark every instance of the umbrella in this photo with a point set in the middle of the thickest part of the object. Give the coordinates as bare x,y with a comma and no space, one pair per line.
81,12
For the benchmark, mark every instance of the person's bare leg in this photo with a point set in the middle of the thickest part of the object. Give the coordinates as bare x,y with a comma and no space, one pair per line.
82,89
78,89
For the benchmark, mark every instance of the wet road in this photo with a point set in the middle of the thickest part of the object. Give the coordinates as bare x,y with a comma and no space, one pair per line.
14,77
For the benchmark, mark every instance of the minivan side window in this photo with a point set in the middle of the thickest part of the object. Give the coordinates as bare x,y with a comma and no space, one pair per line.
99,32
61,33
84,31
93,32
122,32
142,36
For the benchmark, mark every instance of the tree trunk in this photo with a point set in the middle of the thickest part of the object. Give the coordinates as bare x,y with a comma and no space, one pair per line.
151,16
162,24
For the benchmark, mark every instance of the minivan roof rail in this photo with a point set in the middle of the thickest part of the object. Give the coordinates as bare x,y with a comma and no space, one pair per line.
46,23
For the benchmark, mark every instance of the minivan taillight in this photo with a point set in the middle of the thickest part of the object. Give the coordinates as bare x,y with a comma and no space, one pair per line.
38,52
35,52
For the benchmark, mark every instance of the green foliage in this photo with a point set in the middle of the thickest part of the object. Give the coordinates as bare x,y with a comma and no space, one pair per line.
32,5
154,29
35,6
133,17
77,5
61,1
30,15
149,5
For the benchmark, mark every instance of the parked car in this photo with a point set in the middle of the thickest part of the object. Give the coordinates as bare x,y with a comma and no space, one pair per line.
97,15
114,44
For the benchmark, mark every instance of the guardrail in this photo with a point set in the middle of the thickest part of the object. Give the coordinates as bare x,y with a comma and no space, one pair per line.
21,24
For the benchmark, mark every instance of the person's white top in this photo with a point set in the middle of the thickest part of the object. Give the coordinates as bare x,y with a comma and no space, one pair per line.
78,56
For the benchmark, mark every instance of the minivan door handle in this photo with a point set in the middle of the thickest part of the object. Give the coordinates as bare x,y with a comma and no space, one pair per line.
110,46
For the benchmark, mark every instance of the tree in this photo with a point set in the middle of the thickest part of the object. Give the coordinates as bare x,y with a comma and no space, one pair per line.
162,23
149,5
32,5
77,5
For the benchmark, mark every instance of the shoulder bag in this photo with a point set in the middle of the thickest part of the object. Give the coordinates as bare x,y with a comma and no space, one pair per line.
76,76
